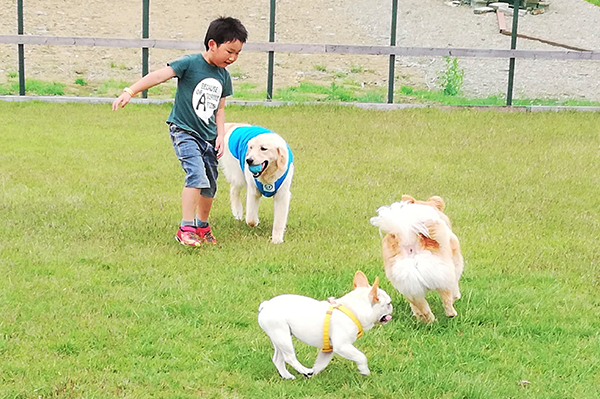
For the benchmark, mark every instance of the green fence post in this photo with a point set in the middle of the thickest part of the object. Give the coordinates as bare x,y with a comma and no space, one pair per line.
513,46
145,35
21,48
392,56
271,53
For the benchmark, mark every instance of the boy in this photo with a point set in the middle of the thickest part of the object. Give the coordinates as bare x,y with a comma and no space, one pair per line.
196,120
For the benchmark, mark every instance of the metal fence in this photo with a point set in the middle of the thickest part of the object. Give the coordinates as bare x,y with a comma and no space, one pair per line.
145,43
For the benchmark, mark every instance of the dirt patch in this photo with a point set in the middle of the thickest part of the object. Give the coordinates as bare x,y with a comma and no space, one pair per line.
421,23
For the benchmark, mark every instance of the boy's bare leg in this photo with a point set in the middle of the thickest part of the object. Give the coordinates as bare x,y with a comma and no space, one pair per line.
202,212
190,200
204,206
193,203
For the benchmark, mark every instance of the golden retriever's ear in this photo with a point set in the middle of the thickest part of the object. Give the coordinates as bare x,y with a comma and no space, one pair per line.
408,198
373,293
281,158
437,202
360,280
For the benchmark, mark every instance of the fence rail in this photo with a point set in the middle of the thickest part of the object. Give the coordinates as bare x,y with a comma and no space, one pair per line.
302,48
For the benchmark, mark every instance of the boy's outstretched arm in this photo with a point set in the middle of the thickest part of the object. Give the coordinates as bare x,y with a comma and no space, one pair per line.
148,81
220,121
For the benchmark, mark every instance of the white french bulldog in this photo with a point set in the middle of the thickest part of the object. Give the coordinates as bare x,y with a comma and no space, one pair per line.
307,319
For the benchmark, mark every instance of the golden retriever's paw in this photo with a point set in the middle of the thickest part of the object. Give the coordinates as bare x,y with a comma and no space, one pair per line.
238,215
252,222
277,240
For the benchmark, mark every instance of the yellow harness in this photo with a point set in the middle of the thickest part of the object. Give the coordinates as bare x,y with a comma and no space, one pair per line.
326,344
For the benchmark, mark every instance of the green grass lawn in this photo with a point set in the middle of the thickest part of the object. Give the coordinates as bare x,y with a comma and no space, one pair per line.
338,91
97,300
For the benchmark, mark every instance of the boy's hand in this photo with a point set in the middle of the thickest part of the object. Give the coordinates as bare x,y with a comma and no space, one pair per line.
121,101
219,146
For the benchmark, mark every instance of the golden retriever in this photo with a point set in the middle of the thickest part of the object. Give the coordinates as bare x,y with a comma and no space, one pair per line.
262,162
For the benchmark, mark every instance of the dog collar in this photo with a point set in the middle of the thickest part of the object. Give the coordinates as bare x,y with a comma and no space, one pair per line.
268,190
326,343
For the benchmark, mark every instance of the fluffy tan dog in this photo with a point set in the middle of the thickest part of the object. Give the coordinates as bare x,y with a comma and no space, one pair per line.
421,253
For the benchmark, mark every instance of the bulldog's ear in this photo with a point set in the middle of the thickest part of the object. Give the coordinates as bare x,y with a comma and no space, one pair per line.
281,158
360,280
408,198
373,293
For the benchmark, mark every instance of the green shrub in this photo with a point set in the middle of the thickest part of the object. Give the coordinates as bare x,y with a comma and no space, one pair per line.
451,79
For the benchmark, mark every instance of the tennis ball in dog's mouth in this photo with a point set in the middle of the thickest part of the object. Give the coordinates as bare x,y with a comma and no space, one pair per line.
255,168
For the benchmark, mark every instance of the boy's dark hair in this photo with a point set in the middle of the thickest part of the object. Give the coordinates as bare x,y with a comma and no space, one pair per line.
225,29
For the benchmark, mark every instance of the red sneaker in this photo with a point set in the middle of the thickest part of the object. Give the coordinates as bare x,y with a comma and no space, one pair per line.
186,235
206,235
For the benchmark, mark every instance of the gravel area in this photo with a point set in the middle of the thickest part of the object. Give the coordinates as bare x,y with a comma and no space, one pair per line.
421,23
572,22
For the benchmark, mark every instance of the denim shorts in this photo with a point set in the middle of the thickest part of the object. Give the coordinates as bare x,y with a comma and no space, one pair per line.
198,159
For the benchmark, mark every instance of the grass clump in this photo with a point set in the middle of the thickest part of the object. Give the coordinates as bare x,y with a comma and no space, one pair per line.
356,68
34,87
410,94
307,91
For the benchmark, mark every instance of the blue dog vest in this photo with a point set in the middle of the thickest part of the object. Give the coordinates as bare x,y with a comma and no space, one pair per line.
238,146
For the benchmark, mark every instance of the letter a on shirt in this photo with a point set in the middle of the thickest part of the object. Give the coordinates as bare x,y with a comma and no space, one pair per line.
206,98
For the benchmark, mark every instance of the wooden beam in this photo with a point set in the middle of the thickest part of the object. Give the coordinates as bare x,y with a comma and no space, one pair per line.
550,42
304,48
502,26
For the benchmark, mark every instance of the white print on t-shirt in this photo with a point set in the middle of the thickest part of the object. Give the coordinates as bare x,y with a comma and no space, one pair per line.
206,98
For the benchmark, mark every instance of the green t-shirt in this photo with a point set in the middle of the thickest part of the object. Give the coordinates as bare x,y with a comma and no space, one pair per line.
200,87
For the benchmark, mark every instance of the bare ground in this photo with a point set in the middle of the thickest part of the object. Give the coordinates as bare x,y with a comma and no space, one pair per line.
421,23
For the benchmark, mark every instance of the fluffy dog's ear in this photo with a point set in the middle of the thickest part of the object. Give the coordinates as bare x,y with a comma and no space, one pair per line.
408,198
373,293
437,202
281,158
360,280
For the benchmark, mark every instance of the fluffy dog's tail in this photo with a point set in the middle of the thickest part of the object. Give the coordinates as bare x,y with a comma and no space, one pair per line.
404,218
